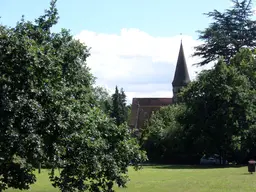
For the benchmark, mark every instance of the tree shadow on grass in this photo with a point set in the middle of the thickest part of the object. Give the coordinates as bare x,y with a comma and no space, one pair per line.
157,166
247,174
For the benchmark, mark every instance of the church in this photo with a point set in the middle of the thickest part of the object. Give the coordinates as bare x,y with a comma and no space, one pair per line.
142,108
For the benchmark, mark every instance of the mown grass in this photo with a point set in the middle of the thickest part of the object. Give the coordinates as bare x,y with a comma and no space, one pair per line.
175,178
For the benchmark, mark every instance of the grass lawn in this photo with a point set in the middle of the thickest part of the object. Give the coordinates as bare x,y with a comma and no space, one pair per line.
176,179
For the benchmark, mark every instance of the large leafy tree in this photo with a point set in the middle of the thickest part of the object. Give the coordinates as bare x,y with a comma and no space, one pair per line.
229,31
164,138
48,113
220,103
245,61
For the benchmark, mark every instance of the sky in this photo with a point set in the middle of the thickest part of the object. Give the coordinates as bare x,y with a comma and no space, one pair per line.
134,43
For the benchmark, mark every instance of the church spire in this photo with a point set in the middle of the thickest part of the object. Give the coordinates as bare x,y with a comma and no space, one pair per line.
181,77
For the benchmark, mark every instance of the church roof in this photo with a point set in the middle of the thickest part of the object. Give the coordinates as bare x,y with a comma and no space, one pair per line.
152,101
181,77
142,106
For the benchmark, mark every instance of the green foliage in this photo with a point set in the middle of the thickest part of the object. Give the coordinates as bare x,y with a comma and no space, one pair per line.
163,136
129,110
220,106
115,105
246,63
103,99
230,31
48,113
124,107
119,109
97,155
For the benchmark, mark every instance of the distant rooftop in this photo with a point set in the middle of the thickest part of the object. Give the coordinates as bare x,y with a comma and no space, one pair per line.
152,101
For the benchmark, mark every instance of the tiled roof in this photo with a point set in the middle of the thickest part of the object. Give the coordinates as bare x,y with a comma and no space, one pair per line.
152,101
142,109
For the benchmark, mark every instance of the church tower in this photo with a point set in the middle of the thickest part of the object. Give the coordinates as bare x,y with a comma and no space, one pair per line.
181,77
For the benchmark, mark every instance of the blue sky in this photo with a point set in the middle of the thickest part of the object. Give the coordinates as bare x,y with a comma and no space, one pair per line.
158,18
134,43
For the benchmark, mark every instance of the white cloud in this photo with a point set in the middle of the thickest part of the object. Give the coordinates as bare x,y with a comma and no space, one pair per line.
140,63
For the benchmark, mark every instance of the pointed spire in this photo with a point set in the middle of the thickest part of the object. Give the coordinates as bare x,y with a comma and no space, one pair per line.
181,77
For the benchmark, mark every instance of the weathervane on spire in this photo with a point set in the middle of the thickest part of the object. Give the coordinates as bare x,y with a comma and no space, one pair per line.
181,37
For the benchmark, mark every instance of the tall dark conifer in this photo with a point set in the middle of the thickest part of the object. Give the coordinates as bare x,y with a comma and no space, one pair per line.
119,108
124,109
115,112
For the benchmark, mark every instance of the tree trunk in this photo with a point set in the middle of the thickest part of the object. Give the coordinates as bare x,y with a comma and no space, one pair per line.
220,154
39,168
